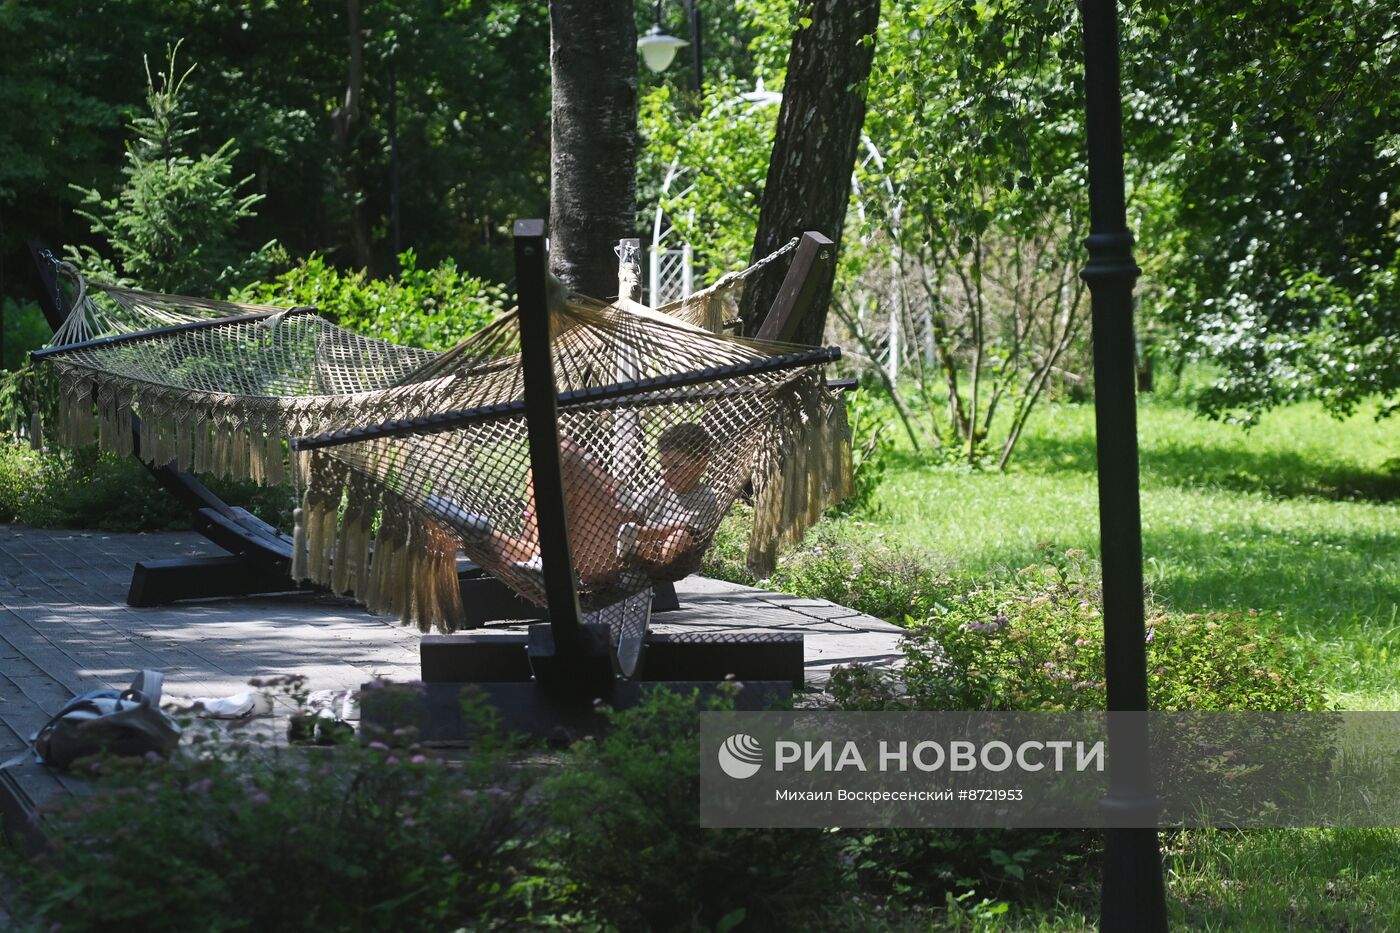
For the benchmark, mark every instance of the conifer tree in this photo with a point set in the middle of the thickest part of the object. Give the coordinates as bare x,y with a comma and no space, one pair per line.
173,226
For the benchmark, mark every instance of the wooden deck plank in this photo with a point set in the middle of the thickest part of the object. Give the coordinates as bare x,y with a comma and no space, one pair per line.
65,629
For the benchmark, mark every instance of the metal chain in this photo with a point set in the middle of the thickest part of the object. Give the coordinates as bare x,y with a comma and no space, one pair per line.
756,267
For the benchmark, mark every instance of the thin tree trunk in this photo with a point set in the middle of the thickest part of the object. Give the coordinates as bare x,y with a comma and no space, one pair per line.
343,120
1042,375
942,258
593,140
942,341
809,173
870,358
978,346
900,265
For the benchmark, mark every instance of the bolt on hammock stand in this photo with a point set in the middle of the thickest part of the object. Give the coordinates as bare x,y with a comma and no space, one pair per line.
546,680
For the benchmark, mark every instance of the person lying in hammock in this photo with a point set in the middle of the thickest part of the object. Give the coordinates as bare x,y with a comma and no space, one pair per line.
656,529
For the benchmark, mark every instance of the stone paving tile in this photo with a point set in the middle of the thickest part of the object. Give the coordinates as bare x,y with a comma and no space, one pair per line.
63,597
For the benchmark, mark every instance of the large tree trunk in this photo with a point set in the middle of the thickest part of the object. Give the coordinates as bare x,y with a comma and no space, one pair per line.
809,174
593,140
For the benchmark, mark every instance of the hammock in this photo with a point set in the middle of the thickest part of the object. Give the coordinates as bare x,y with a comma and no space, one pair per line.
413,454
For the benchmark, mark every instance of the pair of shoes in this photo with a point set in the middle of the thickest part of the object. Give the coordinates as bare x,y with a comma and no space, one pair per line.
474,529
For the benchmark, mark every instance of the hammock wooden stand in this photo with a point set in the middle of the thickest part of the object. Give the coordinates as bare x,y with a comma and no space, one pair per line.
547,680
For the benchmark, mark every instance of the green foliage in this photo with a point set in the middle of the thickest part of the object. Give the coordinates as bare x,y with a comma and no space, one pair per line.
720,157
898,866
466,83
876,577
20,469
1339,347
31,389
24,329
172,227
1035,642
352,839
24,388
228,836
625,810
432,308
61,111
89,488
970,217
872,443
718,147
1270,126
472,103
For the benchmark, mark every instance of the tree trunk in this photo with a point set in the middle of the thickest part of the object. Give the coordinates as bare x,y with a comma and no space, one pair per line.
809,174
593,140
343,119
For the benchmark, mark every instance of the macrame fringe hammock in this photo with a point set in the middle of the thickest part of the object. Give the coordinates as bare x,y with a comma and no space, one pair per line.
354,533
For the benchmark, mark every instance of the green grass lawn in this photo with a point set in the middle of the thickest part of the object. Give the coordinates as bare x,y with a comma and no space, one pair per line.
1296,518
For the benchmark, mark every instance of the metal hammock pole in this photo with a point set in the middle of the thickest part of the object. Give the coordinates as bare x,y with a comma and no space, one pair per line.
1133,896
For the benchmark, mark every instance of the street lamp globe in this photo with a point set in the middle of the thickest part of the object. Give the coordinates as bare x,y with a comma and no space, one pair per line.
659,49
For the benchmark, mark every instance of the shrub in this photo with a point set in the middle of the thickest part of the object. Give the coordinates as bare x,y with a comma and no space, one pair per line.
1035,642
173,226
19,471
345,839
626,808
91,488
386,836
432,308
901,867
869,576
24,392
870,417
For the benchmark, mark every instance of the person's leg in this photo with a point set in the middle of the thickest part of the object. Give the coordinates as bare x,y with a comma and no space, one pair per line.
478,534
594,515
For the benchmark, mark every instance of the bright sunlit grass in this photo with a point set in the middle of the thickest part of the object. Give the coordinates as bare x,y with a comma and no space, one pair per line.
1296,518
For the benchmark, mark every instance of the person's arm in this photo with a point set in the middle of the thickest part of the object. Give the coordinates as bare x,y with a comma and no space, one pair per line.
661,532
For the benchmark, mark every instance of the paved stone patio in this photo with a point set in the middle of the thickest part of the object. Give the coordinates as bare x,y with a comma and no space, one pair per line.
65,628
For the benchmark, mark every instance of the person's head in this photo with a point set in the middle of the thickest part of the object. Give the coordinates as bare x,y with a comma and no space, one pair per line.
684,452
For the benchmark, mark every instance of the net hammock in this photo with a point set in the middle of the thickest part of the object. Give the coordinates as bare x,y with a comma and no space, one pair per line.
414,454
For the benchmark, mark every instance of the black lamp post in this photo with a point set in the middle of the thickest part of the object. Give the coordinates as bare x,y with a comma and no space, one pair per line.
1134,897
659,48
